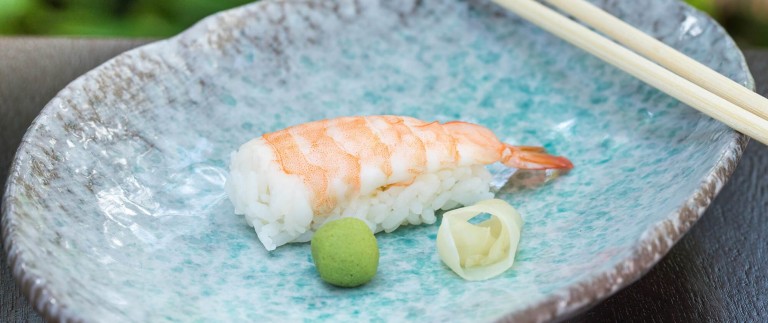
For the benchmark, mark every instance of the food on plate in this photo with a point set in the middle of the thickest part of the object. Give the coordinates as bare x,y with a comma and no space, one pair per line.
345,252
385,170
484,250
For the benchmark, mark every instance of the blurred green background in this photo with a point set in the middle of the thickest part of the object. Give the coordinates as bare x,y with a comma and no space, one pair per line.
745,20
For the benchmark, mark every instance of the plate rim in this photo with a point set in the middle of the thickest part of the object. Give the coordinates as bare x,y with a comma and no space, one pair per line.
661,237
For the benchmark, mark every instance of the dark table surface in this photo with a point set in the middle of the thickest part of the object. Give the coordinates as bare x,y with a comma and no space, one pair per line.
716,272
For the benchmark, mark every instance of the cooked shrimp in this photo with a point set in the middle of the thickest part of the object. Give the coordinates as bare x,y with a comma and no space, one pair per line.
347,156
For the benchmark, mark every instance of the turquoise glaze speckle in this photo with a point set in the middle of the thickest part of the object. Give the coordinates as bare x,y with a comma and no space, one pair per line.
120,180
228,100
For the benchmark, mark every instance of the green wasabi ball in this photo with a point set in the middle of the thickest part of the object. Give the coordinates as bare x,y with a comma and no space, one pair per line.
345,252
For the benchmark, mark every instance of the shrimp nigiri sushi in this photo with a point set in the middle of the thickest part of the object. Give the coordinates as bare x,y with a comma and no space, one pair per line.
385,170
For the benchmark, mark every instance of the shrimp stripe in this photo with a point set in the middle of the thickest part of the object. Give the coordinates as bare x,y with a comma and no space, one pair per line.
293,161
355,136
439,145
341,168
407,152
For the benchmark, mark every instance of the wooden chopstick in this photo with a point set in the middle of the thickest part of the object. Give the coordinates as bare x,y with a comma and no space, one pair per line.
664,55
649,72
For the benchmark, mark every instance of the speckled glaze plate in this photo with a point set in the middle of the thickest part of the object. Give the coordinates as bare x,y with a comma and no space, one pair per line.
115,209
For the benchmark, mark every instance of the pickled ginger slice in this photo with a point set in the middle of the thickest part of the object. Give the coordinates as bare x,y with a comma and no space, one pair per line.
484,250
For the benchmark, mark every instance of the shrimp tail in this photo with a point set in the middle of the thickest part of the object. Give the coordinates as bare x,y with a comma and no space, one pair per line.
527,157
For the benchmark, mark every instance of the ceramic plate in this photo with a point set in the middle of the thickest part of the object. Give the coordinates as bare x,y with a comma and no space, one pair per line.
115,209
